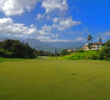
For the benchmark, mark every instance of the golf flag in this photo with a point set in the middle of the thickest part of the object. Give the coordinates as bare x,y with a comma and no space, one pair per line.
55,51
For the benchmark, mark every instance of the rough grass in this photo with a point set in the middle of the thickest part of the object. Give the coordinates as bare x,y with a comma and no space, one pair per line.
93,55
38,80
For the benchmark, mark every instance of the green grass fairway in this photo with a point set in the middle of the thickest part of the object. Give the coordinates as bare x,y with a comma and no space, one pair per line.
38,80
10,59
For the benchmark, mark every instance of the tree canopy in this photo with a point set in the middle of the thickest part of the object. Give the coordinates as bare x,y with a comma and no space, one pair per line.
15,49
89,38
107,43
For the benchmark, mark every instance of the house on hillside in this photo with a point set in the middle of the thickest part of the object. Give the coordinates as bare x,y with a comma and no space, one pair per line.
93,46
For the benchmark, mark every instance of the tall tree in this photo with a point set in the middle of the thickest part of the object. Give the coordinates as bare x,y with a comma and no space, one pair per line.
89,38
107,43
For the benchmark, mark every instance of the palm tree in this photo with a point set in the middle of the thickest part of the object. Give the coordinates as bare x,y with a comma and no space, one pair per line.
89,38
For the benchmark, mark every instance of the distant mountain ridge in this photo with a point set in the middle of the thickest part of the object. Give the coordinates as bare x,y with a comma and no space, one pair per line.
37,44
66,44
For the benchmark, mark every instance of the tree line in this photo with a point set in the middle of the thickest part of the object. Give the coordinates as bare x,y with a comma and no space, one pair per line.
16,49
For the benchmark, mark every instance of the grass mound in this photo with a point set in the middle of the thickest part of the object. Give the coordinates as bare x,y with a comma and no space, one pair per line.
83,55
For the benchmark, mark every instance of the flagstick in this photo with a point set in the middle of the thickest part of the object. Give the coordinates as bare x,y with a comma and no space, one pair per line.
57,64
56,60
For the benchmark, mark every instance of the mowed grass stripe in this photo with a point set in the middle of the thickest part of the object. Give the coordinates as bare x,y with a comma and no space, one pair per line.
38,80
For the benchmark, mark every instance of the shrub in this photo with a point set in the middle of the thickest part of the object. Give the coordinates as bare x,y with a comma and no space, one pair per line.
83,55
80,50
4,53
104,53
15,49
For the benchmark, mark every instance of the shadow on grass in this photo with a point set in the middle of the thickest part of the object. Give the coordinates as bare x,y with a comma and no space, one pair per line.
74,74
66,74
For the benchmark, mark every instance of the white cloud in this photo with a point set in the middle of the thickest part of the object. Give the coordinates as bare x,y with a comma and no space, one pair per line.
79,39
52,5
56,19
7,26
58,40
43,38
47,30
40,16
46,38
65,23
16,7
43,17
85,30
65,40
106,33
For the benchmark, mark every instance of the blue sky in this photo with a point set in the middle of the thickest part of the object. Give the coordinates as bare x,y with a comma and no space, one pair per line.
55,20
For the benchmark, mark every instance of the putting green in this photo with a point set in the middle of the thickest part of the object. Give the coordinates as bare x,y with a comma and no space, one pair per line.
38,80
